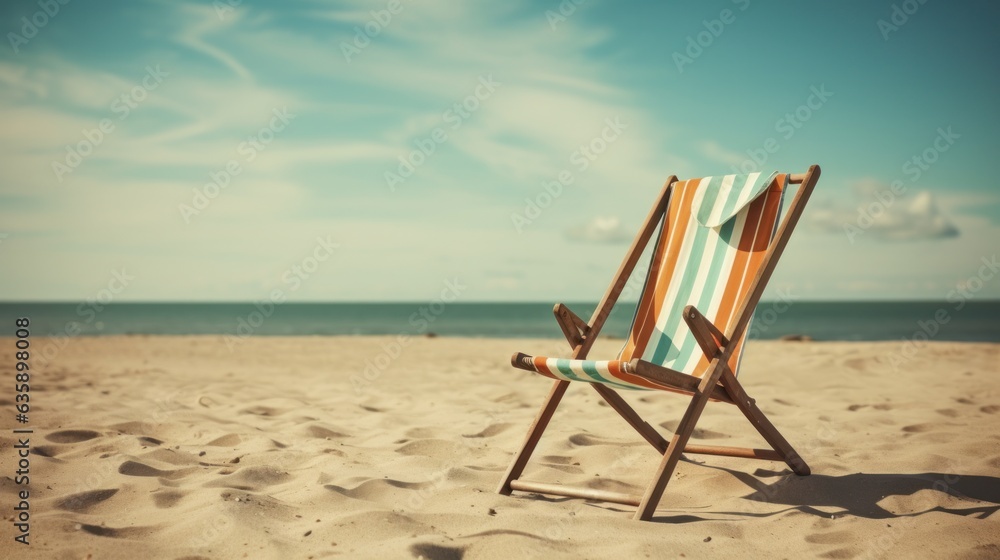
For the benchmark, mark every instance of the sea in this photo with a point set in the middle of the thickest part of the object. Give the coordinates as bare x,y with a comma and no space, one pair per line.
969,321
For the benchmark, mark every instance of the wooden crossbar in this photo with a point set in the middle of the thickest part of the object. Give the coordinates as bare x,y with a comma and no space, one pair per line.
574,492
742,452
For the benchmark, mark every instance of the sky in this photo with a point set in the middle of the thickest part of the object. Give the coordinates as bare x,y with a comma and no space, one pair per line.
386,150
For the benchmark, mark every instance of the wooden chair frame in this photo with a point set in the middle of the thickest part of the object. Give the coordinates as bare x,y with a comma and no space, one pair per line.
719,382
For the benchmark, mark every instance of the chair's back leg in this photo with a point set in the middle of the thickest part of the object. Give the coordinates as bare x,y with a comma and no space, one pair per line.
534,434
760,422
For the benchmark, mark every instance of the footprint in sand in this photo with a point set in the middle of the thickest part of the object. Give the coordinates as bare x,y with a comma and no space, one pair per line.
323,433
857,364
262,411
490,431
171,456
374,488
856,407
835,537
918,428
167,498
990,409
123,533
436,552
839,554
949,412
84,501
563,466
72,436
251,479
882,406
45,450
133,468
429,448
587,439
421,433
228,440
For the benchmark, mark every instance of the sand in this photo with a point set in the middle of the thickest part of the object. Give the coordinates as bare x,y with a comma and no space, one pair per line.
185,447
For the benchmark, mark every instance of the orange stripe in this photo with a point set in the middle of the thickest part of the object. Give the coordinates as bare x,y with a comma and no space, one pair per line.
737,273
679,215
540,365
645,301
771,207
754,241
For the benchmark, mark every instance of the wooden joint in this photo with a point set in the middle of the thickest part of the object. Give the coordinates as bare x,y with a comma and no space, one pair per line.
573,327
709,338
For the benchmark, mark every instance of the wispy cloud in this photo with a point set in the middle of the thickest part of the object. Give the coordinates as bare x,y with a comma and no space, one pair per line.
355,119
601,230
885,216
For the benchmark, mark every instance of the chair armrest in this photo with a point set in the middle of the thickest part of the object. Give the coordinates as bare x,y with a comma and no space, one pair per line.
709,337
673,378
573,327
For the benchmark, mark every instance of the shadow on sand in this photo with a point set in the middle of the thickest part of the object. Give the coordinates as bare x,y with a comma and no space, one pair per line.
859,494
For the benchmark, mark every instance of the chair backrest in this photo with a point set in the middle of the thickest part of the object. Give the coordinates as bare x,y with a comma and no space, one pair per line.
711,244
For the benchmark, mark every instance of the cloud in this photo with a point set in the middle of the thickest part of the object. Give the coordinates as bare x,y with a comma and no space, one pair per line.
717,153
885,216
204,21
601,230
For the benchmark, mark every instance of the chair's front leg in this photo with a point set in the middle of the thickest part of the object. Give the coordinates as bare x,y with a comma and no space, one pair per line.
710,338
534,435
677,444
763,425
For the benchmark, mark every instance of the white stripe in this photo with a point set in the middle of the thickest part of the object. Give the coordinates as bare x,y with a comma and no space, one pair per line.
682,258
720,289
671,238
747,191
701,282
746,267
699,195
719,204
675,231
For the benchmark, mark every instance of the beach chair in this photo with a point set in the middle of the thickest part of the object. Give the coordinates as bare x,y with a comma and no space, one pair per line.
718,243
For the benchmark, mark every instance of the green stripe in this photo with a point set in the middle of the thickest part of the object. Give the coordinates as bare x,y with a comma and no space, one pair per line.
714,282
704,211
590,368
665,348
562,364
730,206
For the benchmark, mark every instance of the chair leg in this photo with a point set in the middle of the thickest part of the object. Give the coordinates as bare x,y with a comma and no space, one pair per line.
632,417
534,434
774,438
654,491
760,422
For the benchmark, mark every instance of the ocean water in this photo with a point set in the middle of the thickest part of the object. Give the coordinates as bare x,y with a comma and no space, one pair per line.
975,321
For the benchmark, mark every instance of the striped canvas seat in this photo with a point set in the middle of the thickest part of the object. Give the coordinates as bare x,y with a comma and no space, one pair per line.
710,247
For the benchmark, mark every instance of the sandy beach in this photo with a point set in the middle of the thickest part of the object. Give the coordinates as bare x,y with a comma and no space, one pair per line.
192,447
